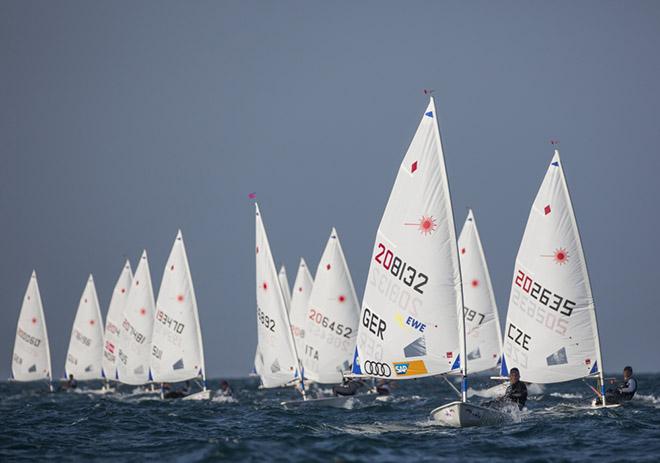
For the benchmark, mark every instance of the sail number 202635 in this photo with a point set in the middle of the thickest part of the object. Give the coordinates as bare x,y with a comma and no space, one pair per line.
400,269
544,296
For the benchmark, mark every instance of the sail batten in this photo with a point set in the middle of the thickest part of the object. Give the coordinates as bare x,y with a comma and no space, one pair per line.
411,316
551,334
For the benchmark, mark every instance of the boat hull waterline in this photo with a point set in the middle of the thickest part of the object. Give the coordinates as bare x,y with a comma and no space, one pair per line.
462,414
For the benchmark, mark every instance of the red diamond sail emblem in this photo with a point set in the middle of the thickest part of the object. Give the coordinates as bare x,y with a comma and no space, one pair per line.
413,168
547,209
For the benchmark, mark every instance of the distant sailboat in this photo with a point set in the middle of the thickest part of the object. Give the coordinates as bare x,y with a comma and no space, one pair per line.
551,334
286,289
31,357
276,361
177,352
302,289
113,321
332,318
136,329
482,323
83,359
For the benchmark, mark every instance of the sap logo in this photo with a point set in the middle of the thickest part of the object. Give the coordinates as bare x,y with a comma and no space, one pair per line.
419,326
412,368
401,368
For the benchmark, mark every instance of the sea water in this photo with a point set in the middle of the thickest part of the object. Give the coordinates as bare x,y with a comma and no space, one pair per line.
557,425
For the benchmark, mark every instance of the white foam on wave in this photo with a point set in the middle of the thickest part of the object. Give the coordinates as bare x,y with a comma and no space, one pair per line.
567,395
648,398
499,390
225,399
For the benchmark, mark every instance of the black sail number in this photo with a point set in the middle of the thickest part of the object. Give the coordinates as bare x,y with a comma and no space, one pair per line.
401,269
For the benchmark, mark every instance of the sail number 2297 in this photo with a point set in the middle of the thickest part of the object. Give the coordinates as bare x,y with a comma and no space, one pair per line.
400,269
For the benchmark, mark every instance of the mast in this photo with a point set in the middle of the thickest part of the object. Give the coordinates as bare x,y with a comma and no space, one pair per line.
462,337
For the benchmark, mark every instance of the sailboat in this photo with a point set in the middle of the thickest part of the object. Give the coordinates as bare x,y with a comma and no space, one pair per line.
277,362
482,324
331,324
551,333
302,289
83,358
134,350
113,321
411,324
31,358
286,289
177,353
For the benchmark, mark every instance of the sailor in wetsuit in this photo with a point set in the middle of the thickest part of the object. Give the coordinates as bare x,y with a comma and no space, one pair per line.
168,393
624,391
71,383
349,386
516,392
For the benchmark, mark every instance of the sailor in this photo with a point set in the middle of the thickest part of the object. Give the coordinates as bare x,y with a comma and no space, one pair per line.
168,393
515,393
348,387
70,383
225,389
624,391
383,387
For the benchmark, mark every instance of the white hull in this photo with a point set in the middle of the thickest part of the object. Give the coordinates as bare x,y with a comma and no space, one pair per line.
201,395
462,414
334,402
593,405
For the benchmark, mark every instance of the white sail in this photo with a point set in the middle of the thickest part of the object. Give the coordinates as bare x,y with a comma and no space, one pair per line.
482,323
551,333
83,359
136,328
332,318
277,362
113,320
302,289
410,324
31,358
286,289
177,353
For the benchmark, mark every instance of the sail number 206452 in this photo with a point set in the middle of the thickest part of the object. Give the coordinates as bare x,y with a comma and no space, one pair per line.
400,269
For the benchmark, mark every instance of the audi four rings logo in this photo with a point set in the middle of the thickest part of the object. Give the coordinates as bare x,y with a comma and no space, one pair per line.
377,368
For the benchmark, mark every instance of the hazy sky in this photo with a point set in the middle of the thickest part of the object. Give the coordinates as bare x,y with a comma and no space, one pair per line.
123,121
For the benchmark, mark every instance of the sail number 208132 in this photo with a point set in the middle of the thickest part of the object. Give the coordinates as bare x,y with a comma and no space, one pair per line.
400,269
